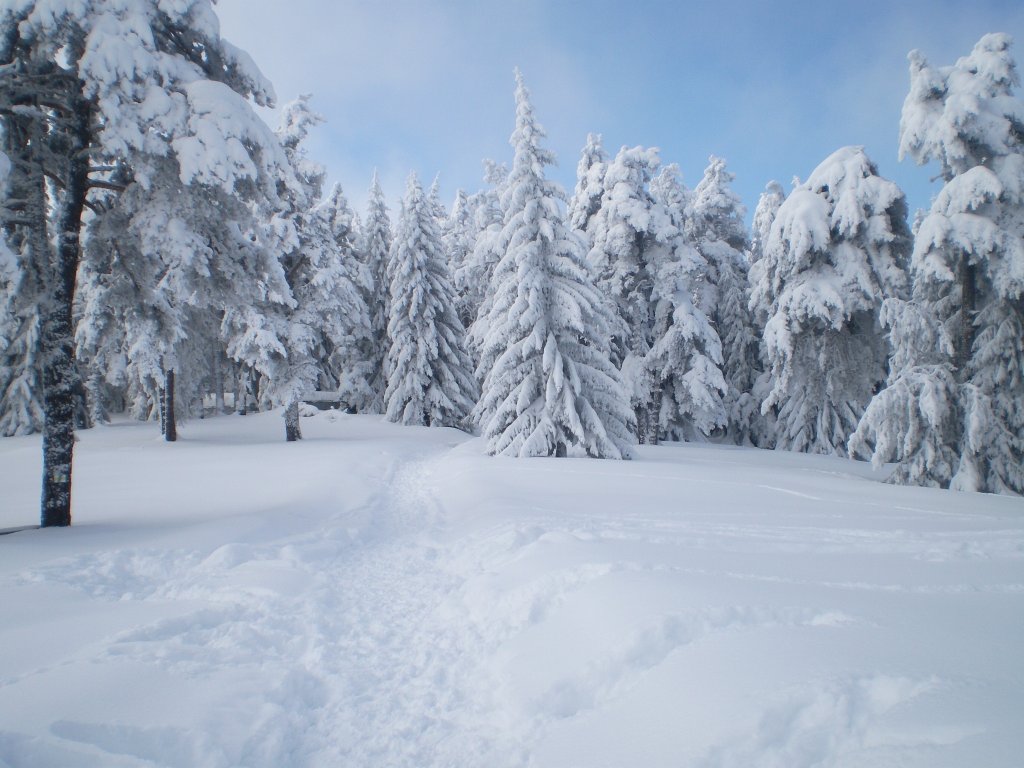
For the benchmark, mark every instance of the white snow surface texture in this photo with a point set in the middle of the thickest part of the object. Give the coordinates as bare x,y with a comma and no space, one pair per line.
378,595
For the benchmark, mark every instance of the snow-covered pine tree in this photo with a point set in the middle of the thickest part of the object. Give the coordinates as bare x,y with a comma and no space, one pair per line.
629,231
916,419
110,79
762,425
457,236
440,212
162,266
953,411
474,279
286,347
342,281
549,387
717,229
837,250
668,189
767,209
375,249
586,198
430,375
325,314
21,406
686,357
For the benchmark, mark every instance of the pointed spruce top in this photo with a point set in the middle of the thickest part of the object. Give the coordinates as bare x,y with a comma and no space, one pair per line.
413,188
530,157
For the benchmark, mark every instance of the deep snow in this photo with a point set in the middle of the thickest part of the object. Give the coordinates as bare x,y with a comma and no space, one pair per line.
387,596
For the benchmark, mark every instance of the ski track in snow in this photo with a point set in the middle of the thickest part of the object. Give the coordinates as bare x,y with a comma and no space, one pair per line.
441,620
364,675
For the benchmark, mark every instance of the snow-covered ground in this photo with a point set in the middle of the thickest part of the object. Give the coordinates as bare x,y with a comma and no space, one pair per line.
387,596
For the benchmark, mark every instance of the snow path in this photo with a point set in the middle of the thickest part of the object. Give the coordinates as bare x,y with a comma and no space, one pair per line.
378,595
339,620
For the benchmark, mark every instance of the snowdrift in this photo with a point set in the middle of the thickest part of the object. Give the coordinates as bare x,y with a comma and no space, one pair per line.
383,595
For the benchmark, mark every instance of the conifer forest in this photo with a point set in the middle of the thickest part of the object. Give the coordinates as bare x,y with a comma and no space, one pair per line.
622,474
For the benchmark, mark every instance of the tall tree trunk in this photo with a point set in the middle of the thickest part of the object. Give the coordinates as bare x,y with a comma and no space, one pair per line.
60,379
170,422
654,413
292,431
968,278
218,384
97,401
242,391
161,407
255,382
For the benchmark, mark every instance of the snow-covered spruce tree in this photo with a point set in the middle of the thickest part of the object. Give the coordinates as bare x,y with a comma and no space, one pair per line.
440,212
342,282
762,424
163,266
376,245
915,420
720,235
630,230
686,356
457,237
549,388
586,198
325,316
953,411
21,407
668,189
767,209
100,332
430,375
111,79
837,250
473,281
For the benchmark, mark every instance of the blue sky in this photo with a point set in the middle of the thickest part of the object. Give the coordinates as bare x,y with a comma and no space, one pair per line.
773,88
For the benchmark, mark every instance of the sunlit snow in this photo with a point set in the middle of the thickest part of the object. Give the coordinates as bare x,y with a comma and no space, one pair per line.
380,595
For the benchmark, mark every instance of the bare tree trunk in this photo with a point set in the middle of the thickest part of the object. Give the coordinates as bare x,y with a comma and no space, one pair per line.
968,300
241,391
161,406
60,378
218,384
255,383
97,403
170,422
641,424
292,431
654,410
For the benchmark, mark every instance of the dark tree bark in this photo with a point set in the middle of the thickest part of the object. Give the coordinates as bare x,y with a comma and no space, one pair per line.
242,391
642,425
968,278
60,378
653,415
218,385
292,431
170,421
162,408
255,381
